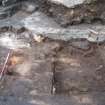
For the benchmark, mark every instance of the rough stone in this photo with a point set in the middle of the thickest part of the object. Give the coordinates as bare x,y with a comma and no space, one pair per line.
8,8
39,23
83,13
71,3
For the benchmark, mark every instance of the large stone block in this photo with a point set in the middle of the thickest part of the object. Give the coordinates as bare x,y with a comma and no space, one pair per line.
71,3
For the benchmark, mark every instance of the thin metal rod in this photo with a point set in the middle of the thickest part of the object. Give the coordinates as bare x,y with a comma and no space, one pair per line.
3,69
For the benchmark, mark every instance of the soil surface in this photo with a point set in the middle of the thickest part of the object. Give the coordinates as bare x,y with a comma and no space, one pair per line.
54,72
46,71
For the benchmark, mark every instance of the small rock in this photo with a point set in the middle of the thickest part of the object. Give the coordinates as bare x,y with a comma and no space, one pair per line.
38,38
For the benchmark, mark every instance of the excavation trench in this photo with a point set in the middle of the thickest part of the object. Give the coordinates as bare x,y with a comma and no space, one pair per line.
49,64
40,65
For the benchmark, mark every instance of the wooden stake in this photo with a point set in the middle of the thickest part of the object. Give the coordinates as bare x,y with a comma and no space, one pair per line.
6,60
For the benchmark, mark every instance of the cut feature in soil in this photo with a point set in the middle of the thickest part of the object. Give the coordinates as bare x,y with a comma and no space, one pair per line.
55,67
